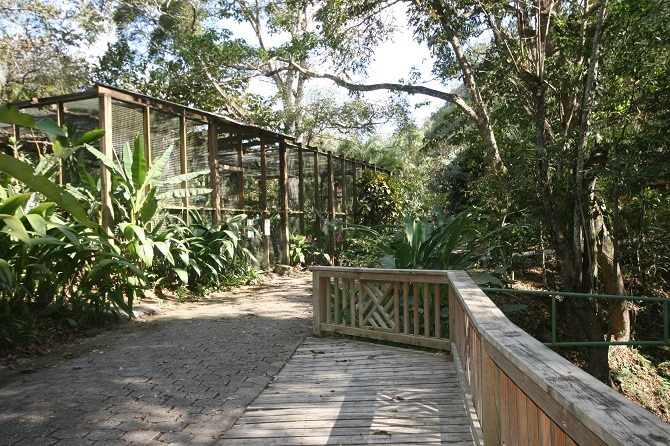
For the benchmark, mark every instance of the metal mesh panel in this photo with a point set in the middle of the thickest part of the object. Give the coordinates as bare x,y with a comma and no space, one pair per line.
272,176
197,159
127,124
324,182
81,117
293,186
35,142
252,177
338,179
308,179
165,134
349,187
228,180
255,242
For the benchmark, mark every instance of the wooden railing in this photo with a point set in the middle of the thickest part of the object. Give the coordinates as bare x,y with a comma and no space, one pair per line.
403,306
523,392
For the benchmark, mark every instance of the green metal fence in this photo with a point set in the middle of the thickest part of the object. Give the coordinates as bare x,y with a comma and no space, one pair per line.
554,294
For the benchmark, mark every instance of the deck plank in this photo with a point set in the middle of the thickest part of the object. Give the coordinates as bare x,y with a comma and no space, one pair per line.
335,391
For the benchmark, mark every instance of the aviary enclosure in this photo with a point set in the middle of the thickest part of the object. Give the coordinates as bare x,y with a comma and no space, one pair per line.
283,186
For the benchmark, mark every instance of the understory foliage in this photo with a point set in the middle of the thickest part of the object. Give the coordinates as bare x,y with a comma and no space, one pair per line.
60,268
379,200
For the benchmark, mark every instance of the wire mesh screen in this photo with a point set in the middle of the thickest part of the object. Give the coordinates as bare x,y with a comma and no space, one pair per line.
254,236
164,130
349,186
338,179
252,176
293,186
35,143
324,183
228,179
197,159
127,124
308,179
272,176
81,117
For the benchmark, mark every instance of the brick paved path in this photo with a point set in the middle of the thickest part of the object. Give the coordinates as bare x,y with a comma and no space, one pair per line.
182,377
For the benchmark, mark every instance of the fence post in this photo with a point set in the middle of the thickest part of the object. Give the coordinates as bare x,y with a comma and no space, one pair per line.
320,292
106,147
490,410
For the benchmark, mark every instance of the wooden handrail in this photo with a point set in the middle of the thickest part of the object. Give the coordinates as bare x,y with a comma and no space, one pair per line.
523,392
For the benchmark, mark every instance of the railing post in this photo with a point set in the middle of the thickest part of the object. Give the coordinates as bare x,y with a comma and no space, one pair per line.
490,410
320,295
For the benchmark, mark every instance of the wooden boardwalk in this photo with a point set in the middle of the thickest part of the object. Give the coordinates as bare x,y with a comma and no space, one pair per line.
335,391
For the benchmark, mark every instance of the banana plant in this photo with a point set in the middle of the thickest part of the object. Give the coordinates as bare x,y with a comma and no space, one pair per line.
37,178
136,186
138,202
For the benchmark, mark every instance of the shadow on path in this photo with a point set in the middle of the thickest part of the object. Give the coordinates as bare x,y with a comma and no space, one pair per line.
182,377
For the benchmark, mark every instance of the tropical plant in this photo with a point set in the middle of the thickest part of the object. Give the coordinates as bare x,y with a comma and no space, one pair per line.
53,268
298,248
137,199
217,254
379,200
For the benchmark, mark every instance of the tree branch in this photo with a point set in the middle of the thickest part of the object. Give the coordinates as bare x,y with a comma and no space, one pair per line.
409,89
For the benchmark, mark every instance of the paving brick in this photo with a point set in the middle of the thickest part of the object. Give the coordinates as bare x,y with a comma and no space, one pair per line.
181,378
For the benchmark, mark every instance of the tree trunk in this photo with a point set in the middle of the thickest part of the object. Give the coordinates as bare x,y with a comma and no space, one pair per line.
619,310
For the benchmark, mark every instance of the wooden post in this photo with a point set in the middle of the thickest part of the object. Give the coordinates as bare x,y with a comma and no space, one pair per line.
183,163
331,203
301,189
107,148
354,190
59,120
240,174
490,409
316,230
343,182
317,185
283,204
320,295
213,146
146,130
265,263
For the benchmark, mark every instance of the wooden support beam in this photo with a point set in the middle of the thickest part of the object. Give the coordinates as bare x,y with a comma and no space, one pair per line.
343,182
213,146
283,204
146,133
354,190
240,175
331,203
107,148
301,188
183,163
316,230
265,263
60,113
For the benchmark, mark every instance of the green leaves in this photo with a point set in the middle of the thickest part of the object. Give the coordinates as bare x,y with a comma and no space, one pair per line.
25,173
12,115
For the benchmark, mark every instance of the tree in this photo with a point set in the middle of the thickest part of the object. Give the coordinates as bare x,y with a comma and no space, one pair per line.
534,65
40,46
